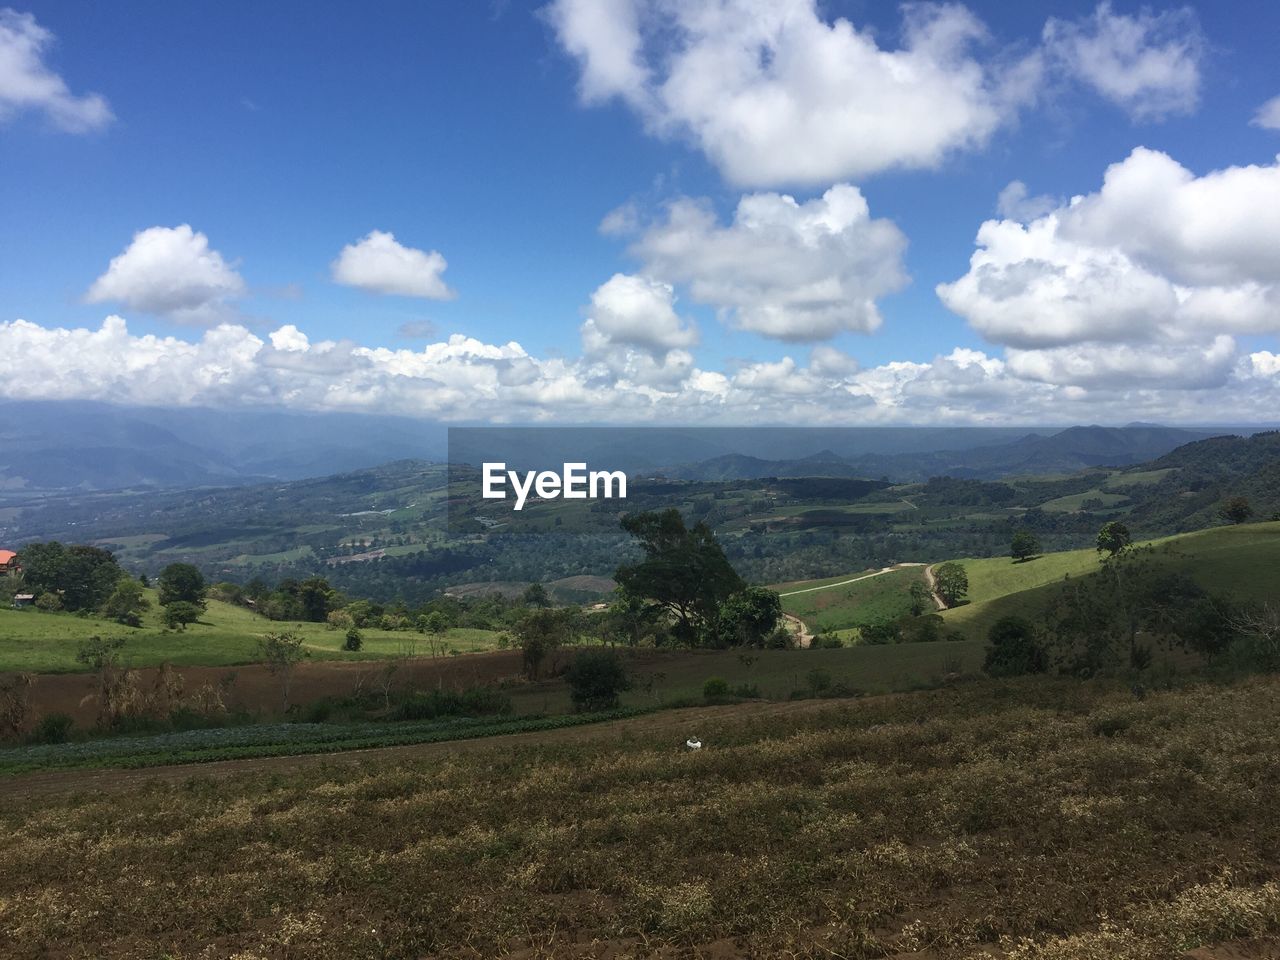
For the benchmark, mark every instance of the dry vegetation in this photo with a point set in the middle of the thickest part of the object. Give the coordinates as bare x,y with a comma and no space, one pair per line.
1036,820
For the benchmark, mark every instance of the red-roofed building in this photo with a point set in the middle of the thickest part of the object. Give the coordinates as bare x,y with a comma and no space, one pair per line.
8,561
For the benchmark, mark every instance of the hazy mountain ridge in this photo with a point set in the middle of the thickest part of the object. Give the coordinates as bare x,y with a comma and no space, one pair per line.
74,445
1066,451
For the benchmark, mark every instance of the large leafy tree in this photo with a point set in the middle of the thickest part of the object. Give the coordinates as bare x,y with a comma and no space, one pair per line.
1113,538
182,582
1024,545
952,583
1014,648
683,569
316,598
1235,510
748,618
82,576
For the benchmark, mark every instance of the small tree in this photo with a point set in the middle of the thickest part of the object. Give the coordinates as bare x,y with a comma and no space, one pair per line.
921,598
126,603
181,581
536,596
281,652
1259,625
354,641
436,624
1014,649
1235,510
1113,538
1024,545
541,632
595,678
179,613
15,704
952,583
115,692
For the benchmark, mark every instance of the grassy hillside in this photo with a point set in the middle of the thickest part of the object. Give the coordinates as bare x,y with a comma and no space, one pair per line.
839,605
1109,828
1240,561
226,635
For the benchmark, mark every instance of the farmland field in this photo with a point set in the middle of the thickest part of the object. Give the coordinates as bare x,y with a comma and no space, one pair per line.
840,605
1076,501
1111,827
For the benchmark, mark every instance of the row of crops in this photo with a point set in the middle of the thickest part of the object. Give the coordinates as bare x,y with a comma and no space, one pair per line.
274,740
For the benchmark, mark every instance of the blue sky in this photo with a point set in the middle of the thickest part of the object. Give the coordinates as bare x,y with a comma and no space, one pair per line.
283,132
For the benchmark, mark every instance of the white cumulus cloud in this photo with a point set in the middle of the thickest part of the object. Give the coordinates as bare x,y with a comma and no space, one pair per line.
172,272
638,311
1268,115
27,83
774,93
378,263
1147,63
1145,281
789,270
1148,278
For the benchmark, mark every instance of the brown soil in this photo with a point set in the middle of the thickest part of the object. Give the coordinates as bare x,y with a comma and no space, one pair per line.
255,690
679,723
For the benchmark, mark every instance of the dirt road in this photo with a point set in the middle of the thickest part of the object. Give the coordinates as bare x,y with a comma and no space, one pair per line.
933,588
803,637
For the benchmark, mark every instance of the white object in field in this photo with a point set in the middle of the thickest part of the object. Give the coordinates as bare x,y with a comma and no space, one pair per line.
693,743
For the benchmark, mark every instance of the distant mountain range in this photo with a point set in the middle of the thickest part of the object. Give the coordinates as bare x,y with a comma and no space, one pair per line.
1066,451
48,446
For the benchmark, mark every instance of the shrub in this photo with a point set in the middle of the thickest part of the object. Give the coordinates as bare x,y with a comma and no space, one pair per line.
826,641
924,629
53,728
595,679
49,602
818,679
715,687
1014,649
476,701
179,613
353,641
884,631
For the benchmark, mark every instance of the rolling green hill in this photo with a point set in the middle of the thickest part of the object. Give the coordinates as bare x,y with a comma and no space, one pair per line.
226,635
1241,561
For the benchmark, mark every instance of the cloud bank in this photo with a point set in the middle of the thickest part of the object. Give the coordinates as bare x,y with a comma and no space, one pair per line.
463,379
